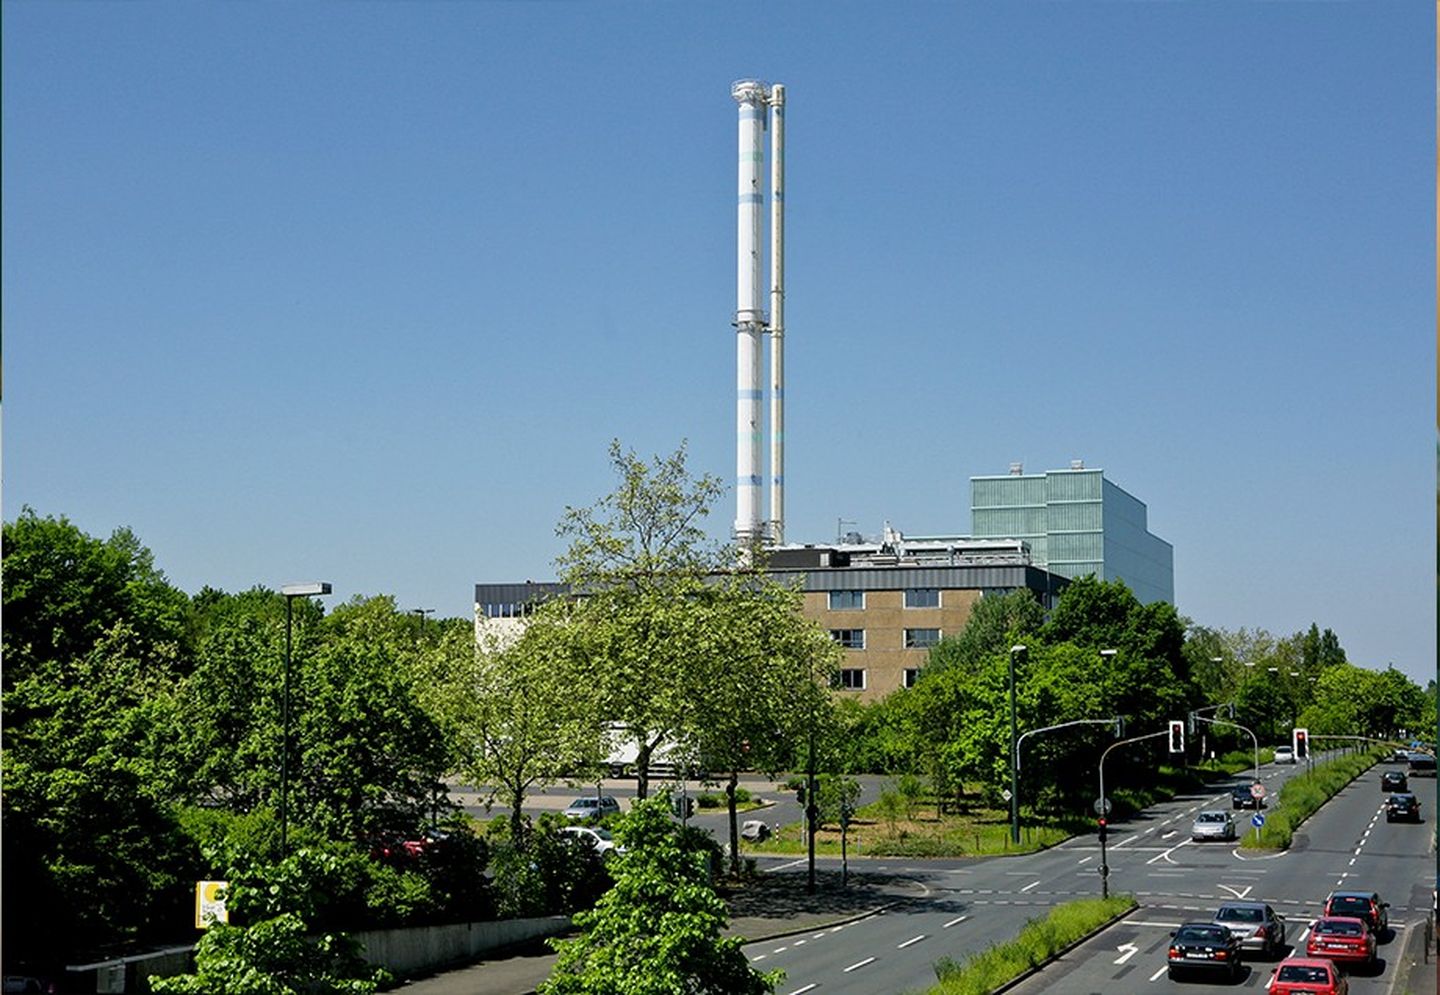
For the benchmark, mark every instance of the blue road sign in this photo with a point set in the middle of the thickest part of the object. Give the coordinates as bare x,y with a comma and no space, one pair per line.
1257,820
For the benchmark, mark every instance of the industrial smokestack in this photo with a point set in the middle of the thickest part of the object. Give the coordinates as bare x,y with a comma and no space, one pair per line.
756,101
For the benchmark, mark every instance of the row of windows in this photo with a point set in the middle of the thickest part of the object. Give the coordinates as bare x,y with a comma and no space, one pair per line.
915,597
915,639
853,679
509,609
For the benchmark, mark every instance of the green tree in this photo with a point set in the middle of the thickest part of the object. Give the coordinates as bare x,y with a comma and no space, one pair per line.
995,624
657,931
273,949
638,560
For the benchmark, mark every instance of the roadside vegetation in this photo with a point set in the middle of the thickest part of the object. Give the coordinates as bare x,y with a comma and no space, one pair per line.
1038,942
144,736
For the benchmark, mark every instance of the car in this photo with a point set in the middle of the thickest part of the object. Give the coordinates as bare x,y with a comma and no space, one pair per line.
1341,938
599,839
1364,905
1307,976
1256,925
1216,824
21,984
1240,797
591,807
1422,765
1402,806
1284,755
1393,780
1399,756
1203,946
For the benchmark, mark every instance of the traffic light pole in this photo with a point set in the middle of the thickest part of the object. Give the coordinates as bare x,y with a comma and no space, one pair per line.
1104,806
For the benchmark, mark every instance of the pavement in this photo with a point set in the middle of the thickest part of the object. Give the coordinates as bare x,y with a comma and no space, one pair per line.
766,907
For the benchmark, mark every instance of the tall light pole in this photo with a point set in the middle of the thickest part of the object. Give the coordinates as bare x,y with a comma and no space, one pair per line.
1015,651
421,613
291,592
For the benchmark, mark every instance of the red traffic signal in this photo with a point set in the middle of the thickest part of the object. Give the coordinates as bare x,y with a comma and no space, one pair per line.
1102,829
1301,743
1177,736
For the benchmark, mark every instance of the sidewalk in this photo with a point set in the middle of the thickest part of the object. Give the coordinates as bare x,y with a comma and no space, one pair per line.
769,907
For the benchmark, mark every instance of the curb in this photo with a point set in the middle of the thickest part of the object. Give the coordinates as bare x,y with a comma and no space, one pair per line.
1013,982
827,924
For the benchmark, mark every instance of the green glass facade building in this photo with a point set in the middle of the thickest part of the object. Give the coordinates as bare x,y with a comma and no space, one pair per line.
1076,523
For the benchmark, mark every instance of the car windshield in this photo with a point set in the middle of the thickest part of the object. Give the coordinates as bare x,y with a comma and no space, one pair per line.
1302,972
1210,817
1202,934
1235,914
582,803
604,834
1333,928
1349,903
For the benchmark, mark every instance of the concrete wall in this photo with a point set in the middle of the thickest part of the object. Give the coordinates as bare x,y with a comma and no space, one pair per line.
406,952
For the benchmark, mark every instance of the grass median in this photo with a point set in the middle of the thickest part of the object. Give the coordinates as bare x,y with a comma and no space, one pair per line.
1038,942
1302,796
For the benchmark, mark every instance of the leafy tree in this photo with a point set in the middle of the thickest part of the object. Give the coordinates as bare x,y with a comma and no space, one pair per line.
994,625
273,948
657,931
519,715
638,560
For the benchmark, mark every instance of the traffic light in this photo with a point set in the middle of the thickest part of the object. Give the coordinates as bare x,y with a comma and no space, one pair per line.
683,806
1177,736
1301,743
1102,829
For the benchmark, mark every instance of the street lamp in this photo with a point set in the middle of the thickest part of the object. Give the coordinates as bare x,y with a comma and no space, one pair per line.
291,592
1015,651
421,613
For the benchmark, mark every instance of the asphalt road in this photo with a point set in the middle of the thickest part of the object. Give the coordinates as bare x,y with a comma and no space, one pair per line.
964,906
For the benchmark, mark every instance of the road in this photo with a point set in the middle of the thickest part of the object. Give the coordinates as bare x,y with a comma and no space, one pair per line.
963,906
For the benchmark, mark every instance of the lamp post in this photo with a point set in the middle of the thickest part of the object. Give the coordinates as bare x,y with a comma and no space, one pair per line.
1015,651
291,592
421,613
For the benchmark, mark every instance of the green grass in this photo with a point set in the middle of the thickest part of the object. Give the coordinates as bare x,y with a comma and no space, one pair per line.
1040,940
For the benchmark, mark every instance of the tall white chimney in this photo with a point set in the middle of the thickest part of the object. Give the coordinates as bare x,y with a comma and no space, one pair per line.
760,105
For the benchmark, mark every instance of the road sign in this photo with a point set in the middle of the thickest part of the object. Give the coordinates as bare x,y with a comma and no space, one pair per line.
1257,820
1006,794
1102,806
1257,790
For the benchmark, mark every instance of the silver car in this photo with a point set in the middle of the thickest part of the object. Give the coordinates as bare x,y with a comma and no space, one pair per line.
1213,825
1256,925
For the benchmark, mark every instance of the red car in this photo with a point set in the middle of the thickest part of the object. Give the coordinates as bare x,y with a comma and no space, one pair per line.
1340,938
1307,976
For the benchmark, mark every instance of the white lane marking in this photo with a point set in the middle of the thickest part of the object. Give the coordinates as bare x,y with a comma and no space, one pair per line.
1158,925
799,943
852,967
1239,894
1301,937
1165,854
759,956
913,939
954,921
1083,859
781,867
1166,836
1159,972
1127,950
1028,887
801,991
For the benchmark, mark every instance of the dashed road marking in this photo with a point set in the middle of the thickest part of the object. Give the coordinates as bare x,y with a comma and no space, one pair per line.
857,966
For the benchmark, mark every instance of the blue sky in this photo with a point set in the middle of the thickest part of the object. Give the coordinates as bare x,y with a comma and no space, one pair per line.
361,292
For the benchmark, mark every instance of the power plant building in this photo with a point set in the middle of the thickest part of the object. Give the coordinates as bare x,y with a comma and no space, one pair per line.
1076,523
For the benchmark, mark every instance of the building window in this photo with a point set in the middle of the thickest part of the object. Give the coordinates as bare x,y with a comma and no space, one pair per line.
912,674
851,679
508,609
846,600
922,597
851,639
916,639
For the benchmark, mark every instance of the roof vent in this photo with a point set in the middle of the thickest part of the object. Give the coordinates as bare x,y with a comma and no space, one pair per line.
1077,464
1016,469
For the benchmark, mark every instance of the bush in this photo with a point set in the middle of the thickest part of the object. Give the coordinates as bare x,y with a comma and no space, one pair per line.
1040,940
717,799
1303,795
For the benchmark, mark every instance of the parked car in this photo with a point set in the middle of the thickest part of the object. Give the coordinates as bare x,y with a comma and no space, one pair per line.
1341,938
1307,976
1213,825
1402,806
1394,780
1203,946
1240,797
1284,755
1256,925
591,807
596,837
1364,905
